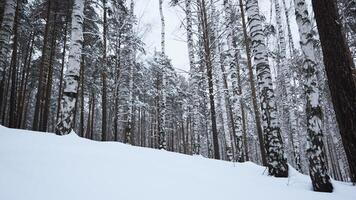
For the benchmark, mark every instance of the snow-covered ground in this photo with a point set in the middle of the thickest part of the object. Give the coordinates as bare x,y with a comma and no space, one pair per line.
43,166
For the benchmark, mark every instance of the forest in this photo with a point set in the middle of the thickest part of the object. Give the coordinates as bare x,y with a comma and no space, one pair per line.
277,90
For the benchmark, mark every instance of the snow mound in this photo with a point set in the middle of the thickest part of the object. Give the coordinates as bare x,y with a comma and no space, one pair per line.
43,166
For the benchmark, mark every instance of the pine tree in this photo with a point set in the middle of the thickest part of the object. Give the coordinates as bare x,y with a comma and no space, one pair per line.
340,70
5,35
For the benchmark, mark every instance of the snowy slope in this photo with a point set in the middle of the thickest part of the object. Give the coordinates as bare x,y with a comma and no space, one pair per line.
42,166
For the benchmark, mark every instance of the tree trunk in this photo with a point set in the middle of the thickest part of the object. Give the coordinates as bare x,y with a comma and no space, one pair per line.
49,80
209,71
315,151
70,91
24,81
342,83
13,69
81,125
5,36
46,51
276,162
103,78
253,87
60,90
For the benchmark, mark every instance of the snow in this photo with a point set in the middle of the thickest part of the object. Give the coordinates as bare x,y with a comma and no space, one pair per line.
36,166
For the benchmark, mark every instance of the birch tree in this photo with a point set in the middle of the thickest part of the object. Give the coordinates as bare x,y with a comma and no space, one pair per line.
276,161
315,151
162,138
70,90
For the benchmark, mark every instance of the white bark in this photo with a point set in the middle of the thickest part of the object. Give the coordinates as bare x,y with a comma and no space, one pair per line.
315,150
162,89
163,26
233,74
70,91
276,161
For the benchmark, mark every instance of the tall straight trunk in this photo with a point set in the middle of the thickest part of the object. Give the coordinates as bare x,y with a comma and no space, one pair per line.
339,64
117,78
253,86
6,31
162,26
103,107
49,80
92,117
129,125
162,138
70,91
209,71
276,162
316,155
87,131
222,96
5,104
13,69
235,80
24,80
81,125
194,75
60,88
290,37
103,77
43,70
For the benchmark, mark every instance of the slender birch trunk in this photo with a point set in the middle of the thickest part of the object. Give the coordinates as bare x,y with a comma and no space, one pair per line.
162,138
315,151
276,161
70,91
251,76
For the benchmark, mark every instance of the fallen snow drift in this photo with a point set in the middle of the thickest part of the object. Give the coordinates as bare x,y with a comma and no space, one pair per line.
43,166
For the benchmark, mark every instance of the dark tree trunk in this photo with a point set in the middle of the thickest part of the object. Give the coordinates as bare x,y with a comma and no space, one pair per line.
24,81
81,124
92,117
342,84
13,69
43,67
103,76
104,118
49,80
209,70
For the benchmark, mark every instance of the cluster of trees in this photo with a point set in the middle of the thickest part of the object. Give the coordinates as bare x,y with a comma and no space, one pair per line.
252,93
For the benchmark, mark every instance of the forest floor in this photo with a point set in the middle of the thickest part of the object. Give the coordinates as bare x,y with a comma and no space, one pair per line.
42,166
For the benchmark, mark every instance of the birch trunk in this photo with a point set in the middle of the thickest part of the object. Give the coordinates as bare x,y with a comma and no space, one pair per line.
251,77
162,139
234,79
72,74
315,151
276,161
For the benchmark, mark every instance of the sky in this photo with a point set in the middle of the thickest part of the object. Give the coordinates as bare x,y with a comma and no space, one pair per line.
149,22
147,12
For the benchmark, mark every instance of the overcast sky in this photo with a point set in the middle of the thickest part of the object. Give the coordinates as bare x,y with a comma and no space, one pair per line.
147,12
